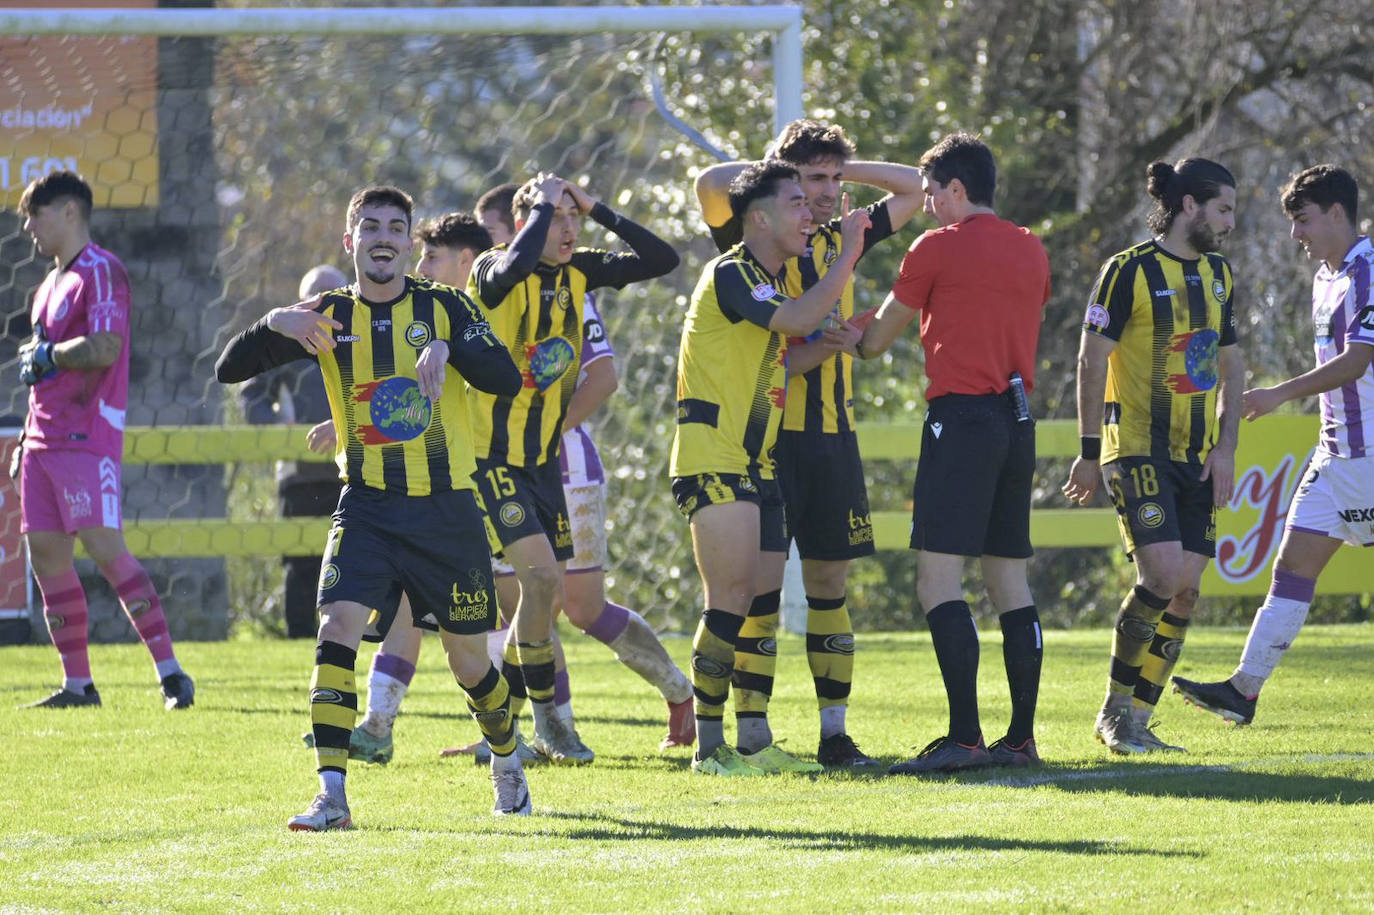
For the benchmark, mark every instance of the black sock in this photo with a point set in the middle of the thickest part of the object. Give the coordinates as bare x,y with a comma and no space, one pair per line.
1022,650
956,648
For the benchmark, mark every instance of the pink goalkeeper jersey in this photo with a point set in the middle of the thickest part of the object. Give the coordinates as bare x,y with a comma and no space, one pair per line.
82,410
1343,313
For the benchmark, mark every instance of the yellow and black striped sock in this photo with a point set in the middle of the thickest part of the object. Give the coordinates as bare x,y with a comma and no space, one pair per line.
489,702
713,662
1135,630
510,669
536,666
830,649
756,656
1159,662
333,704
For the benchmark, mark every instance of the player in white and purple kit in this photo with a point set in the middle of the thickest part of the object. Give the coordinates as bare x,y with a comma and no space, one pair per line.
77,367
1334,504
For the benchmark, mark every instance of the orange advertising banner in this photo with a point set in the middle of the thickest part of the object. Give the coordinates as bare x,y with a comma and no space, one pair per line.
86,103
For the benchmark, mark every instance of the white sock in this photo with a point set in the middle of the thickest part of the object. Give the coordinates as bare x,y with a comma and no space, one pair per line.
1276,625
832,720
76,684
384,695
542,713
167,667
564,710
752,734
332,783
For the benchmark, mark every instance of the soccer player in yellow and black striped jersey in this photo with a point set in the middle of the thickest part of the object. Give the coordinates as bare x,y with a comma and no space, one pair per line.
1159,385
533,292
395,353
819,469
731,387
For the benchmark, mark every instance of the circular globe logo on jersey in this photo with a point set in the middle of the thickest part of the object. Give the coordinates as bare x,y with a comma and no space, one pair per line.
1200,359
399,411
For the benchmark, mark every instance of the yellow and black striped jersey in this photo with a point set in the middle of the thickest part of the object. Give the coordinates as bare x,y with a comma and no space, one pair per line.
537,309
1169,318
391,437
731,371
821,399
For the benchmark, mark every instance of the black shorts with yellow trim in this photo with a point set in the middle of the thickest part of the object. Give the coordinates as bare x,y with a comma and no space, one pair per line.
431,548
695,492
524,501
1160,501
822,482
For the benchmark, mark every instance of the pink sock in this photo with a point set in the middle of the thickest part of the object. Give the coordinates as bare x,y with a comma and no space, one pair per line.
141,603
64,607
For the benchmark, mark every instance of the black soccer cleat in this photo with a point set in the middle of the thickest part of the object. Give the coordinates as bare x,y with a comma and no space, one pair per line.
1005,753
178,691
1218,698
944,754
65,698
839,751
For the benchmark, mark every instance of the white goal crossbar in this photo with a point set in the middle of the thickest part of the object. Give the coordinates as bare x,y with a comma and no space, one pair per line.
785,22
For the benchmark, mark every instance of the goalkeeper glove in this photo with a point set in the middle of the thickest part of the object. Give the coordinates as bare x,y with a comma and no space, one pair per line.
36,360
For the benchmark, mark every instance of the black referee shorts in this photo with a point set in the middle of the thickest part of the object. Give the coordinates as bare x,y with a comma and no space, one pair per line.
433,548
973,481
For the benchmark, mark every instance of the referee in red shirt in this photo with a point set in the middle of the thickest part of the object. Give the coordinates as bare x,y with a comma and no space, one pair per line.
979,284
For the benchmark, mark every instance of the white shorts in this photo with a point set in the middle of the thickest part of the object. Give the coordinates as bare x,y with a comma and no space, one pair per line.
587,518
1335,499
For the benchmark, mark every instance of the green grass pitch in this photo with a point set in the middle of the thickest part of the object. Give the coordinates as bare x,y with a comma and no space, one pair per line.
132,809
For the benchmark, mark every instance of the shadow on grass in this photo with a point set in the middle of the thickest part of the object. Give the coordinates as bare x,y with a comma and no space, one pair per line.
1210,782
604,828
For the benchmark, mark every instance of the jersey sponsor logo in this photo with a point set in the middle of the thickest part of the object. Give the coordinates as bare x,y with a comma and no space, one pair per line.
418,334
548,359
324,694
1354,515
858,521
864,535
474,331
399,412
1096,317
1164,293
1366,317
1150,515
79,503
1219,290
763,292
329,577
593,331
346,338
512,514
1199,349
563,536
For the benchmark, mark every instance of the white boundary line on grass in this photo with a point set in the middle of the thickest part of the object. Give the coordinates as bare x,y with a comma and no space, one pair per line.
1137,771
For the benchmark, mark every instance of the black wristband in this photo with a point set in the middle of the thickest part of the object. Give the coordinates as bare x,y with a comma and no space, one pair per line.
1090,447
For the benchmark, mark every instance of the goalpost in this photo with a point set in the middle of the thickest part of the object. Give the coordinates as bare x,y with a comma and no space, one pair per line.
223,144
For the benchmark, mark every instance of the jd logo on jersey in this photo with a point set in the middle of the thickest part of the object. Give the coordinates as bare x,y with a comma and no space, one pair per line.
549,359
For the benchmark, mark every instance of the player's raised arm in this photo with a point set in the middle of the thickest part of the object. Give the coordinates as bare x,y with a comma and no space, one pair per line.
496,273
282,335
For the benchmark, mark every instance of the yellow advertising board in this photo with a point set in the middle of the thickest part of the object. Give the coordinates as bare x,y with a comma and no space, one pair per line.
88,104
1270,463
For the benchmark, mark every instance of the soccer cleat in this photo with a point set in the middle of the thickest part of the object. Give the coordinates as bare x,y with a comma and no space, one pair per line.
368,747
1218,698
682,725
775,760
178,691
1004,753
1151,742
1115,729
512,792
64,698
324,814
944,754
724,761
839,751
561,745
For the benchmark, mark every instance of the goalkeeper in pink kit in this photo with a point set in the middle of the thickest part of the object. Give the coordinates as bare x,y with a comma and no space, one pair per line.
68,466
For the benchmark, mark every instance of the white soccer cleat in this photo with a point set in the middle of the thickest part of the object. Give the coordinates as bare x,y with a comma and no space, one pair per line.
324,814
512,791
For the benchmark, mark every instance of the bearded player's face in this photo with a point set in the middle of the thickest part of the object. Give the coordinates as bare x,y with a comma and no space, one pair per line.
380,243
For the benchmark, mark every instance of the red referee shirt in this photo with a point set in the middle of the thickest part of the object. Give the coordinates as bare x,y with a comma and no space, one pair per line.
980,285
